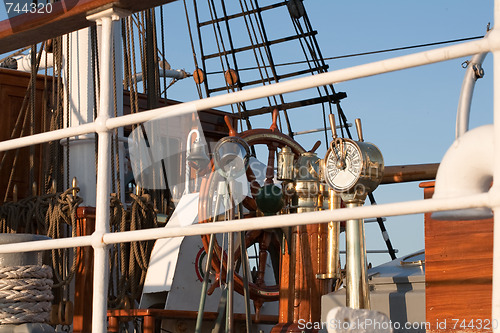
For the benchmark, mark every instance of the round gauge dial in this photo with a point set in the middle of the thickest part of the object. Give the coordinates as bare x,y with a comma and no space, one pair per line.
343,165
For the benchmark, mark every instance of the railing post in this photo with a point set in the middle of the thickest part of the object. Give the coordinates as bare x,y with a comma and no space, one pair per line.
105,111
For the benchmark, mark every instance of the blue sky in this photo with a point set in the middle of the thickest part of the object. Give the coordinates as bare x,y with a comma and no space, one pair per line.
409,115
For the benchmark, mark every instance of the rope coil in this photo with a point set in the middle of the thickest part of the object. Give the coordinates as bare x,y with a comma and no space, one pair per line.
129,261
25,294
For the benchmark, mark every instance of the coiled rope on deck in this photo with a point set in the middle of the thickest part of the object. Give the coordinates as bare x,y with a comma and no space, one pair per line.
25,294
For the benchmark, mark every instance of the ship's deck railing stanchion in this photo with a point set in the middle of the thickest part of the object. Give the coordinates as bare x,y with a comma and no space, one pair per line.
105,111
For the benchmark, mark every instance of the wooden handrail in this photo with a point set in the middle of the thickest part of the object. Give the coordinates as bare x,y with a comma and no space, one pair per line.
409,173
184,314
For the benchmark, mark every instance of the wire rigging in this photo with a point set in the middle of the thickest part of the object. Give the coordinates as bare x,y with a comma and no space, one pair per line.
257,51
267,48
351,55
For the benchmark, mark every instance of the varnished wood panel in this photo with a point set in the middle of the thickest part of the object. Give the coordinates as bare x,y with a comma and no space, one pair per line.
300,290
82,319
13,87
66,16
458,272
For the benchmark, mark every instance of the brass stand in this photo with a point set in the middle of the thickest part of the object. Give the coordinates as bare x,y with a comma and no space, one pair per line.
332,253
358,293
354,169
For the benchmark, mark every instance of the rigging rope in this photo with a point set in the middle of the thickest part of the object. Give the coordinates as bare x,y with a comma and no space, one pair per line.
58,151
62,212
95,84
114,158
267,78
29,96
298,28
235,63
34,70
200,42
198,84
44,215
220,43
68,104
14,163
271,61
164,60
155,54
129,261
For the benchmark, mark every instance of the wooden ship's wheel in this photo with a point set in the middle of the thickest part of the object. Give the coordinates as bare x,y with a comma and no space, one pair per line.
267,240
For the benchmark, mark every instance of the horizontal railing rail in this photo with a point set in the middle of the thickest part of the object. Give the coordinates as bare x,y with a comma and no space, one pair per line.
265,222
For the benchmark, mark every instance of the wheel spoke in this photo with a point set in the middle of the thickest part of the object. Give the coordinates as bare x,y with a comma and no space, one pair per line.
270,163
263,248
254,184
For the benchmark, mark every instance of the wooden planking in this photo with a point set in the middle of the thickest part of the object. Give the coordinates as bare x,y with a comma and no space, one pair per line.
409,173
66,16
458,272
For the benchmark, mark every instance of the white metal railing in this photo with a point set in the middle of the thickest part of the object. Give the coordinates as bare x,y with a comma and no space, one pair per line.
104,124
278,221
